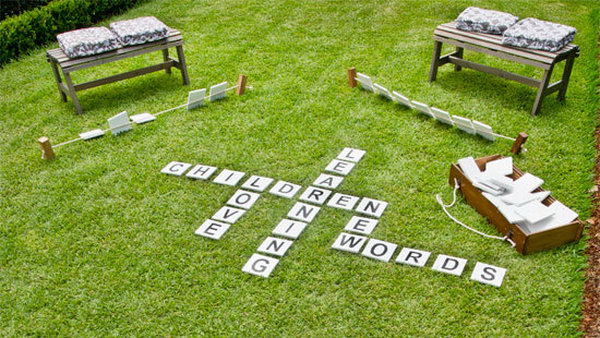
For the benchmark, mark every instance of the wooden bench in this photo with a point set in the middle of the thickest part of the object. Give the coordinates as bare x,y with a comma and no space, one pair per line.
58,59
492,45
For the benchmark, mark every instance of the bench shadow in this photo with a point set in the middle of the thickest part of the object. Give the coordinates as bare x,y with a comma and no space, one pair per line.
495,90
117,96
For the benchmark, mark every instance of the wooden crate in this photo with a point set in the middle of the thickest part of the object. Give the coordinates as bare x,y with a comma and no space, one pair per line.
525,243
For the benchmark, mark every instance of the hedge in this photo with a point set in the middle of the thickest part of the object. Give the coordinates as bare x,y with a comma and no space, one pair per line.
39,26
16,7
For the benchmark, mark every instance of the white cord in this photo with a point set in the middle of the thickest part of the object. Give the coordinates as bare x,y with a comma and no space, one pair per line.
438,198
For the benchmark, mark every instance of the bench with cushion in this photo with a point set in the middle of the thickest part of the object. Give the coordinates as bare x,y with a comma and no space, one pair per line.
59,60
492,45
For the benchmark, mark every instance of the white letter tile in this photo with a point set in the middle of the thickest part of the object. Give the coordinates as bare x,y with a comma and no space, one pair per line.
260,265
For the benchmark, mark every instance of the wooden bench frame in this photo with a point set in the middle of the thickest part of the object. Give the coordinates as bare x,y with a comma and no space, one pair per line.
59,60
492,45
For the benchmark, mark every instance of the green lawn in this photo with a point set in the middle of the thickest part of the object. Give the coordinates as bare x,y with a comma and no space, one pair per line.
99,242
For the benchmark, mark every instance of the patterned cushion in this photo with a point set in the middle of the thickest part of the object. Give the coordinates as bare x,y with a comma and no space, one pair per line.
474,19
537,34
87,41
139,30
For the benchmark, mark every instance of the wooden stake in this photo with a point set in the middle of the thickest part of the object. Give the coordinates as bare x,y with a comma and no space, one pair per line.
518,145
352,77
241,84
47,151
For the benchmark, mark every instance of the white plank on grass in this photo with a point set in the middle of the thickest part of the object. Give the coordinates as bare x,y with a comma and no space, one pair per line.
142,118
228,214
119,123
351,155
382,91
484,130
303,212
449,264
349,243
442,116
315,195
275,246
175,168
413,257
361,225
371,207
218,91
328,181
260,265
257,183
422,108
403,100
243,199
201,172
365,81
342,201
379,250
488,274
289,228
339,167
212,229
88,135
229,177
464,124
285,189
196,98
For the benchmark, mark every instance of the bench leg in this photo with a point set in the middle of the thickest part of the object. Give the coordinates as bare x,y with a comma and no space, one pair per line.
63,97
165,53
565,78
184,72
72,93
458,54
541,90
435,59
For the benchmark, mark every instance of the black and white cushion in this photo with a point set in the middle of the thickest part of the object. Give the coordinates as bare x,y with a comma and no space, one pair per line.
537,34
475,19
87,41
140,30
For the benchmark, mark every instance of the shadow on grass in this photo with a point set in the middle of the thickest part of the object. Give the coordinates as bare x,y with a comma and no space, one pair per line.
495,90
115,96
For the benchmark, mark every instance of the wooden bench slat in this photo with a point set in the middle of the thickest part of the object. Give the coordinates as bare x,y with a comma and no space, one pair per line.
484,50
493,46
451,27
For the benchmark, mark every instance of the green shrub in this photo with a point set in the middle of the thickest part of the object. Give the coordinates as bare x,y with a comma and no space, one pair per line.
39,26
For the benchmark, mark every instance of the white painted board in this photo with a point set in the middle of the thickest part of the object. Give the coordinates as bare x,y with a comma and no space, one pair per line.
119,123
403,100
365,81
442,116
143,118
422,108
484,130
464,124
88,135
196,98
218,91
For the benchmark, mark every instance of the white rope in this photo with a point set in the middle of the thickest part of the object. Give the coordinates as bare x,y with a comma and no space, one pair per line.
156,114
497,135
438,198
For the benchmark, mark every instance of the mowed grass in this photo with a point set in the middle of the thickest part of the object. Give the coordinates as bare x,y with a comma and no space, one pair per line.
99,242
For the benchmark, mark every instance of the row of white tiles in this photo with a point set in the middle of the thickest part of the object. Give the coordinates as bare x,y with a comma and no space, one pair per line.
301,214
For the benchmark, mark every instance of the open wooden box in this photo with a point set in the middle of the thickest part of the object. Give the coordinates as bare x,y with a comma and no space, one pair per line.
525,242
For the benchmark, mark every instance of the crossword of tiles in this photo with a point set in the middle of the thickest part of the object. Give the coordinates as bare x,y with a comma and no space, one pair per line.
304,211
